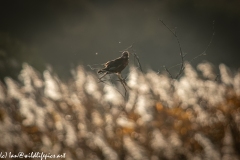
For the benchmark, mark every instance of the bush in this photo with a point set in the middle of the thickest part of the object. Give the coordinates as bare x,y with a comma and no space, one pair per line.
195,117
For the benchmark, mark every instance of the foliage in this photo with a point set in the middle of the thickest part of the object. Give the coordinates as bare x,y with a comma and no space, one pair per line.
195,117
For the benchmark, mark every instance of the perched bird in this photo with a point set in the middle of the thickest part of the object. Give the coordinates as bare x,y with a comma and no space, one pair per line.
116,65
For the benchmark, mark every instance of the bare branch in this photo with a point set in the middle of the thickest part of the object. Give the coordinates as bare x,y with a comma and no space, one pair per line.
137,58
181,53
217,77
113,87
209,44
180,49
167,71
174,33
128,48
119,79
93,68
103,75
122,82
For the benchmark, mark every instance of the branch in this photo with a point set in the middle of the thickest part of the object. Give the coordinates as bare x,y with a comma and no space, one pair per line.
113,87
167,71
128,48
180,49
181,53
209,44
103,76
122,82
217,77
137,58
93,68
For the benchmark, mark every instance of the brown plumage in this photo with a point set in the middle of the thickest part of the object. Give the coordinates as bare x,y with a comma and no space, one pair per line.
116,65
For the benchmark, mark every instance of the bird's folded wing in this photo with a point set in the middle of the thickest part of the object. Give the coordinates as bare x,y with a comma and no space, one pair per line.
114,62
109,63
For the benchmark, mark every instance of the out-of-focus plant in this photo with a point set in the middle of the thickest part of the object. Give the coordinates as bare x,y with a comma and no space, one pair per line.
195,117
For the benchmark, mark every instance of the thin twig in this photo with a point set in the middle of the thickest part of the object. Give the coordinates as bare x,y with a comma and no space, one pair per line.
209,44
122,80
114,88
137,58
217,77
128,48
175,35
180,49
103,75
168,72
92,68
181,53
202,54
211,37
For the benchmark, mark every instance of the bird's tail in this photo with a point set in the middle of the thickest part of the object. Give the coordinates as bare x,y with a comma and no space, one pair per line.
101,71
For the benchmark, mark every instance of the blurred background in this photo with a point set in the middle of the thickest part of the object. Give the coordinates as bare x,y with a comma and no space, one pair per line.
196,117
64,34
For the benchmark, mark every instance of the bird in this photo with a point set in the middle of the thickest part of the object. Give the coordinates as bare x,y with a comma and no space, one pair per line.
116,65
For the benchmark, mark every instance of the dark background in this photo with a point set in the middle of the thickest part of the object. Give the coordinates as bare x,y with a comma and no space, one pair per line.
64,33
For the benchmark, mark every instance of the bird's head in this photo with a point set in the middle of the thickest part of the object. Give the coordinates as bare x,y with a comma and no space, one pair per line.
125,54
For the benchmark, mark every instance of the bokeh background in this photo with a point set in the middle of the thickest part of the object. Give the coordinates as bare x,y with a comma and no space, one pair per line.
64,33
43,108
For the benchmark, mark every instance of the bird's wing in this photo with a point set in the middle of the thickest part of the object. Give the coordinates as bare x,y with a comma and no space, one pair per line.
113,62
112,65
109,63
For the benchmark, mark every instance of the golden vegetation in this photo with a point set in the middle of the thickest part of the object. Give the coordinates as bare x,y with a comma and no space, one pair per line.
195,117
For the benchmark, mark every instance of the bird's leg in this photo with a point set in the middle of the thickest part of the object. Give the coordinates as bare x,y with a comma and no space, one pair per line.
123,82
102,76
